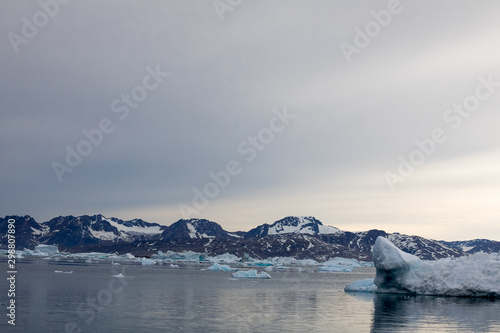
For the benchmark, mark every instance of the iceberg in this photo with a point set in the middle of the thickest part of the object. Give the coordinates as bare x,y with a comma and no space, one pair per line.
366,286
477,275
252,274
146,261
339,265
180,256
225,258
337,268
47,249
218,267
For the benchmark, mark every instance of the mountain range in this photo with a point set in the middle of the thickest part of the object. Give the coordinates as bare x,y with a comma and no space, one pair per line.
301,237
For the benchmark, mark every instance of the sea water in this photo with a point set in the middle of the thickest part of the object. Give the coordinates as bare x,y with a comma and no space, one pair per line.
65,296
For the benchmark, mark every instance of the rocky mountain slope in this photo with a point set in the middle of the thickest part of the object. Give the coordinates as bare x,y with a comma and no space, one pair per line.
302,237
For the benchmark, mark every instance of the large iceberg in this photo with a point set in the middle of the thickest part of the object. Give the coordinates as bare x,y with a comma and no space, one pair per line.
477,275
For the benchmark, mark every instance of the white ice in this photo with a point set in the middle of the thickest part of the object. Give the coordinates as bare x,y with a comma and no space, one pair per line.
339,265
146,261
477,275
218,267
46,249
365,285
251,274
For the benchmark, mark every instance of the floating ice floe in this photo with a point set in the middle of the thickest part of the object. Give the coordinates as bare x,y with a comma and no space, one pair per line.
337,268
46,249
70,272
225,258
120,275
146,261
477,275
218,267
339,265
127,256
365,285
251,274
180,256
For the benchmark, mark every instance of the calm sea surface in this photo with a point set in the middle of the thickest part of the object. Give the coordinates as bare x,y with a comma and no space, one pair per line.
187,299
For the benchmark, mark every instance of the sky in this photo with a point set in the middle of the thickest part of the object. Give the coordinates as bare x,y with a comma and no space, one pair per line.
365,115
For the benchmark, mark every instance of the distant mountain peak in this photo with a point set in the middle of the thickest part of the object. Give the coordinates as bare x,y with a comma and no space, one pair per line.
301,237
195,229
293,225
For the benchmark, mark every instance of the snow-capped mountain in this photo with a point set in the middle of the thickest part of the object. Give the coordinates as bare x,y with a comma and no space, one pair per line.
302,237
424,248
27,231
475,245
69,231
293,225
195,229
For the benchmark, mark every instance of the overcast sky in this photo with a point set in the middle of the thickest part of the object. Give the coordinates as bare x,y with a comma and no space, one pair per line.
312,106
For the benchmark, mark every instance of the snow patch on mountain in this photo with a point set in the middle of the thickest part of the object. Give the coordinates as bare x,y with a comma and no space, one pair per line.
135,229
301,225
103,235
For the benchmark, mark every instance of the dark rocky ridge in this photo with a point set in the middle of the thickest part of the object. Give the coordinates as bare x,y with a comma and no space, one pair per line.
298,237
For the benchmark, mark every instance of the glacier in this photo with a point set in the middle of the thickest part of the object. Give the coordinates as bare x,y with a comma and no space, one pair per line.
477,275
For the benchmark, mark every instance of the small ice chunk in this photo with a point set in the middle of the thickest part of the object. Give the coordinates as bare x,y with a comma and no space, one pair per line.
339,265
342,262
120,275
366,285
251,274
337,268
146,261
47,249
218,267
225,258
127,256
174,266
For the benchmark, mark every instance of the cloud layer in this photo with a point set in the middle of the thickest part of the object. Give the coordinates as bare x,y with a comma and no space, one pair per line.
354,116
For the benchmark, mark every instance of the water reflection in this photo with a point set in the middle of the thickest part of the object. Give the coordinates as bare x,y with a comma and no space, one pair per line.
397,313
